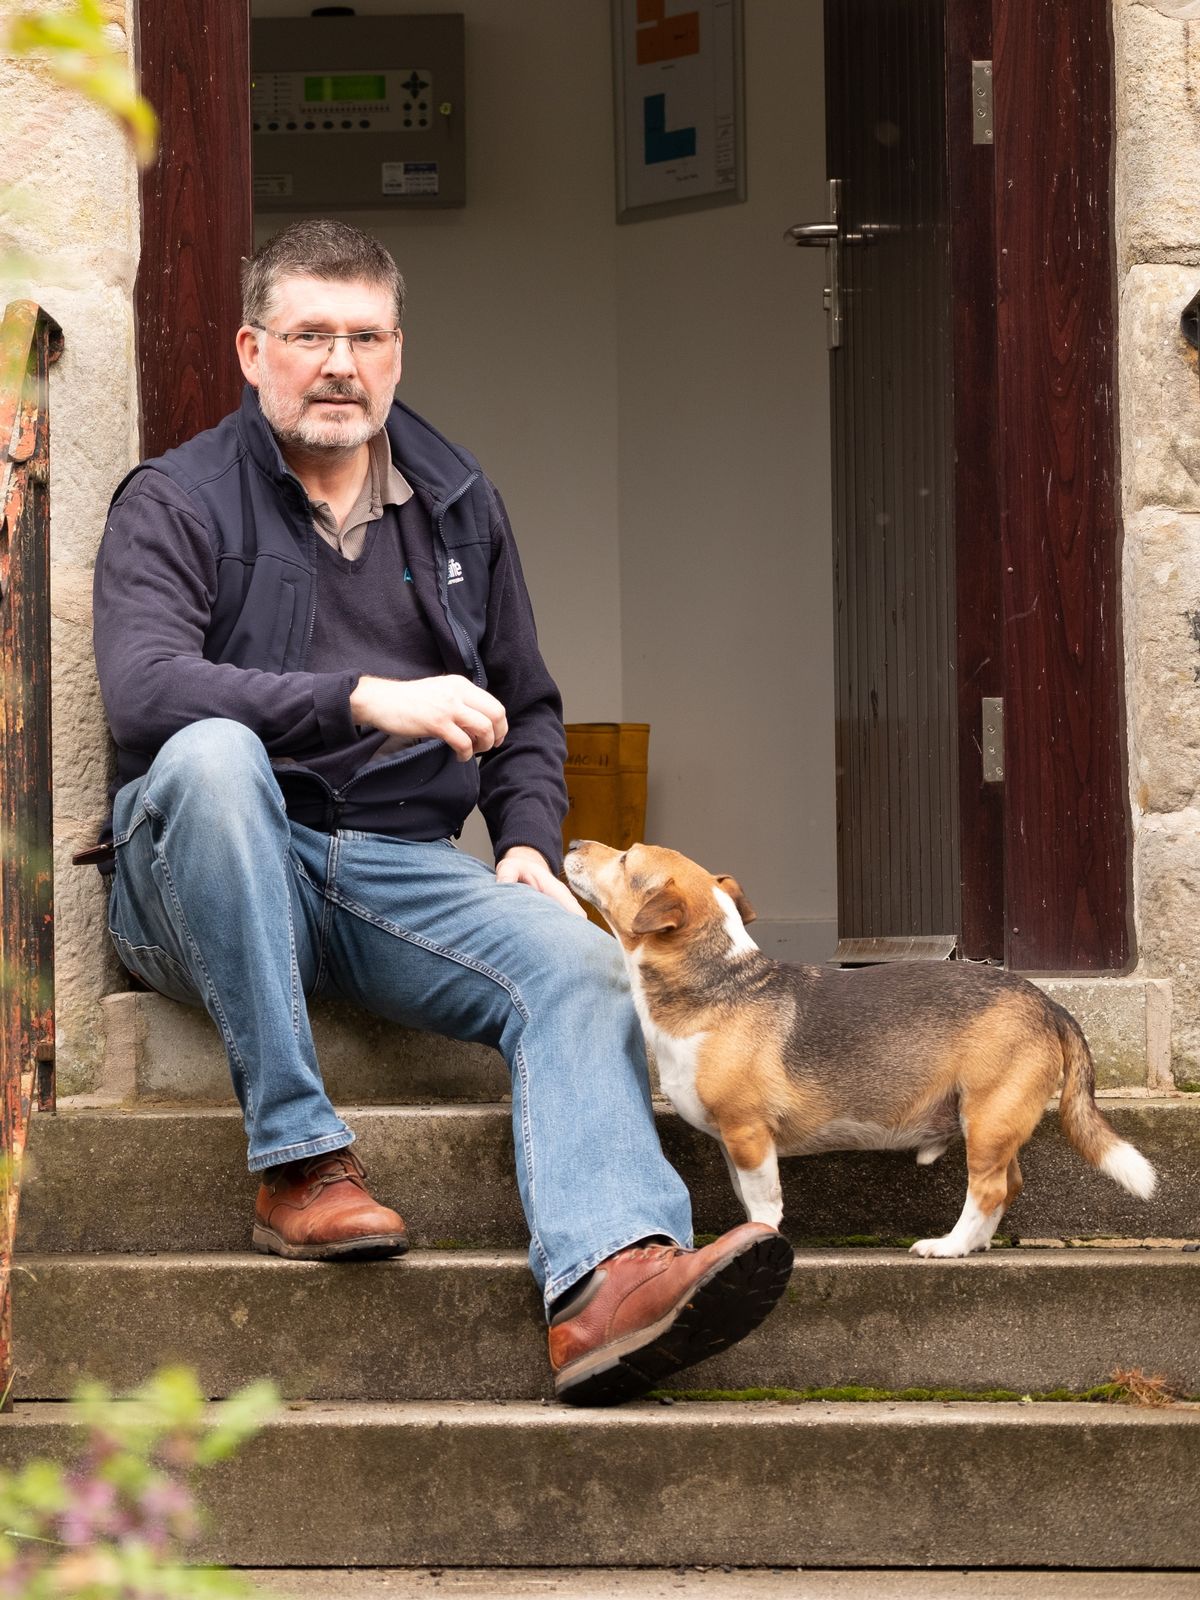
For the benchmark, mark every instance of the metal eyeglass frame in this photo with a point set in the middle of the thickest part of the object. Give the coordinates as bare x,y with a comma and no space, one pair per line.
289,339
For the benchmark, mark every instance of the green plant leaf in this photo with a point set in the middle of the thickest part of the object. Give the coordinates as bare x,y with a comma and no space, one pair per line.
241,1416
77,50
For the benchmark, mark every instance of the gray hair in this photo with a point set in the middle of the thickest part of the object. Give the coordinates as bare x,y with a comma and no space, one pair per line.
317,248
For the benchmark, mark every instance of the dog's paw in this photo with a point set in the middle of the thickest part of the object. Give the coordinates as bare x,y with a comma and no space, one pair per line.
945,1248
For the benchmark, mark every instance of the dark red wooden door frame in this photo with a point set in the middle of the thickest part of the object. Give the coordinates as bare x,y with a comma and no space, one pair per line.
1037,524
197,217
1066,827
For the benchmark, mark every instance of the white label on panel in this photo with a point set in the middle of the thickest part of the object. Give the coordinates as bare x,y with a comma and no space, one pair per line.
410,177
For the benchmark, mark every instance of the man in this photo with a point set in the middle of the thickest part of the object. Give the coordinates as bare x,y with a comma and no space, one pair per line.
317,653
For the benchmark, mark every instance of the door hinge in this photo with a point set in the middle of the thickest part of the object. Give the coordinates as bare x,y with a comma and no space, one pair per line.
981,102
993,739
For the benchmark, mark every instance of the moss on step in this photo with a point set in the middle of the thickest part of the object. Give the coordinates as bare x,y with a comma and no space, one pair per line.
857,1241
1128,1389
876,1241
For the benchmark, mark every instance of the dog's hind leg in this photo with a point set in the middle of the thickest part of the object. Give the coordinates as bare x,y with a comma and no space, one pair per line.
996,1128
1015,1183
754,1171
973,1230
988,1170
998,1114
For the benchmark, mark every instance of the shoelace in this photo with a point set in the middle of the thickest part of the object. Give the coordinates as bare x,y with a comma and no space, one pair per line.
348,1168
645,1252
345,1167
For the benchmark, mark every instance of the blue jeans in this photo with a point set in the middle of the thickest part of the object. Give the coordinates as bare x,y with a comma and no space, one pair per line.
219,900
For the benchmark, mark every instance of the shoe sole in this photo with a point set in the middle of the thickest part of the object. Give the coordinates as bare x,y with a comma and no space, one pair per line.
369,1247
716,1312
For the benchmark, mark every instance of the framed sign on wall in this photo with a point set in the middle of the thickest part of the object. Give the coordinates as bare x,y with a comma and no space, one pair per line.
679,115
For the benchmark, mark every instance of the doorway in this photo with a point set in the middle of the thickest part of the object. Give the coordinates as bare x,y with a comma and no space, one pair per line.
647,399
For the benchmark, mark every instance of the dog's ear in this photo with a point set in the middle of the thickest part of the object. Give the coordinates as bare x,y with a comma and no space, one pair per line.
734,890
666,908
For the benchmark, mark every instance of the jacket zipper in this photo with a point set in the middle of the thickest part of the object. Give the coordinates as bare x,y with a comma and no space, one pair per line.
465,647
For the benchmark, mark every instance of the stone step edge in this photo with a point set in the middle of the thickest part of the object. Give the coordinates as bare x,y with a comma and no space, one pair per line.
1050,1256
104,1104
710,1583
451,1170
816,1484
525,1415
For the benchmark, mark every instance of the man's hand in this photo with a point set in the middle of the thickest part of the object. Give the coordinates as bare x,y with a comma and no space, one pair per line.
524,864
466,717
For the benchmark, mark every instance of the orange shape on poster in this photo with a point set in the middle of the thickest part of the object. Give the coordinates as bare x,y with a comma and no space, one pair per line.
663,38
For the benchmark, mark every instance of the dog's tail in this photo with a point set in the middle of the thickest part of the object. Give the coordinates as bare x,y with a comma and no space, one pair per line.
1091,1133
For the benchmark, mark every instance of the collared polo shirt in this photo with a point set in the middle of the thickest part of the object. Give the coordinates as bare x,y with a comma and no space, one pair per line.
383,485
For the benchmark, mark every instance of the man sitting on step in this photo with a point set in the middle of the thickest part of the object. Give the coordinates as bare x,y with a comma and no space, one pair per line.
317,654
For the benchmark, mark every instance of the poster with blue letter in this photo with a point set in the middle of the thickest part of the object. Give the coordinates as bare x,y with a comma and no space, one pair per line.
680,126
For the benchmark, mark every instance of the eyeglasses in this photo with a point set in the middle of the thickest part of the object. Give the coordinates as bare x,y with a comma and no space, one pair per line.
368,344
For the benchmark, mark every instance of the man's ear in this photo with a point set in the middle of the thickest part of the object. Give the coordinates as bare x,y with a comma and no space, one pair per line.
734,890
248,353
666,908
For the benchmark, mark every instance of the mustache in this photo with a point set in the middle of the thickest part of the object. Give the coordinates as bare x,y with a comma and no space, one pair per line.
338,389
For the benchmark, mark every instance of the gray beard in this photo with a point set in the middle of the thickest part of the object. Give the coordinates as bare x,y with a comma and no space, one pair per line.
291,424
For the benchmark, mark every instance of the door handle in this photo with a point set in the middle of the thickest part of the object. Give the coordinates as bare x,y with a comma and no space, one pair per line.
821,233
828,236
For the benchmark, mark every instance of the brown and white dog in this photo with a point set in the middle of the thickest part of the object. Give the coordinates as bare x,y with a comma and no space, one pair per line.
773,1059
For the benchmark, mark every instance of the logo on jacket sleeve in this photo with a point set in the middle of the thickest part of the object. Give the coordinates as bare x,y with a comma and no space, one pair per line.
454,572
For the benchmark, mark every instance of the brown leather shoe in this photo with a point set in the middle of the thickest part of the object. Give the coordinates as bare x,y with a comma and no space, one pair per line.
653,1309
319,1209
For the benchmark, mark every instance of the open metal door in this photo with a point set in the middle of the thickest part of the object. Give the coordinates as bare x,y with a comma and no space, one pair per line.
891,335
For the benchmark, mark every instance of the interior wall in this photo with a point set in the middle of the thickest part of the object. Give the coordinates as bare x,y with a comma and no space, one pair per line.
726,585
651,400
510,332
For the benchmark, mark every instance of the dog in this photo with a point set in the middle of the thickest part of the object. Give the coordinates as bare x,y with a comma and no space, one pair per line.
773,1059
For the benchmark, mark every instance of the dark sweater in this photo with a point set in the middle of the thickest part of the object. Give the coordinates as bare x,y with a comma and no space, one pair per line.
206,593
367,612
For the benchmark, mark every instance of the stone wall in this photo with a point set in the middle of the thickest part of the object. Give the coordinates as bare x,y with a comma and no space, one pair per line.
69,238
1158,271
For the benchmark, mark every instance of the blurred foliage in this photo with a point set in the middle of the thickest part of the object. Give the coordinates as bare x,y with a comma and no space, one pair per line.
118,1525
74,43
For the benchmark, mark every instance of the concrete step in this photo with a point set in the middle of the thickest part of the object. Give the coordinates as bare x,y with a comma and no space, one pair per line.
453,1325
123,1180
748,1485
157,1051
731,1583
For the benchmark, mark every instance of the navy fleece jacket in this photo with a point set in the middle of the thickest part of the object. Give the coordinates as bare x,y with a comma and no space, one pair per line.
204,605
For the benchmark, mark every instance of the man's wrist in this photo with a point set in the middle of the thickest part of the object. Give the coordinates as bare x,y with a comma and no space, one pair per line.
359,690
531,849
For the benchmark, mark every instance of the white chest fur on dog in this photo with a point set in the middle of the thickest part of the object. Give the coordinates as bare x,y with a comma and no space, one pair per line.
675,1058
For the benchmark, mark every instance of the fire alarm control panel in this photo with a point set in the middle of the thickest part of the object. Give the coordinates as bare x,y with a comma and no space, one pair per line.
355,113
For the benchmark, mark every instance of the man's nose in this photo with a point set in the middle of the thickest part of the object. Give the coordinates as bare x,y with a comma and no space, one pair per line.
338,360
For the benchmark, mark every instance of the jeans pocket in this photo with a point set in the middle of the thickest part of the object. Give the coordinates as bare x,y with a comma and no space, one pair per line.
154,966
127,813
